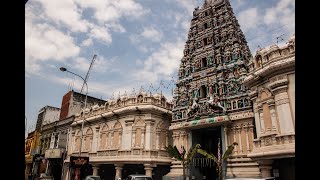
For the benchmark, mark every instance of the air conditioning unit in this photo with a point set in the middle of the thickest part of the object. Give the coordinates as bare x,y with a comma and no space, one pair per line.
35,151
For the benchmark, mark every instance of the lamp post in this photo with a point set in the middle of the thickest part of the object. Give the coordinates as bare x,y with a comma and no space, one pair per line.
85,105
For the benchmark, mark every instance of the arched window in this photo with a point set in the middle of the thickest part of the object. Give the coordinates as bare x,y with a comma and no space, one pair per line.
104,137
162,135
117,132
204,62
240,103
88,140
205,42
140,99
77,142
258,61
203,91
265,109
138,130
234,105
205,25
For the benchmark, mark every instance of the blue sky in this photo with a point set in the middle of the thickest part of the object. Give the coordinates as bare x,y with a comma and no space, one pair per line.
138,43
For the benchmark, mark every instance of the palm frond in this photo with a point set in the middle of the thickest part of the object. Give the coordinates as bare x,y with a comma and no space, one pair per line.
174,152
207,155
192,151
229,151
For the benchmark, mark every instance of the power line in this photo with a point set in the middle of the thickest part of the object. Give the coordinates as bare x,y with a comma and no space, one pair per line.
279,37
249,39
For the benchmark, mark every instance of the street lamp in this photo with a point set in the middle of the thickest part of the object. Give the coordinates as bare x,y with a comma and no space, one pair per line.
85,105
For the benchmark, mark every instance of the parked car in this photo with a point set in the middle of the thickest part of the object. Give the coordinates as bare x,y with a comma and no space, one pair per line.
138,177
91,177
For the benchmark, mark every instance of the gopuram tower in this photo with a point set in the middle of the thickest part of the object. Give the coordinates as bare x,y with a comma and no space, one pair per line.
211,104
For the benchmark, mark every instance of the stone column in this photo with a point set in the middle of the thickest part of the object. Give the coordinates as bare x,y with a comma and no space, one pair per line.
246,128
71,143
157,140
257,120
183,136
273,118
128,134
109,142
143,139
95,141
167,139
148,168
284,113
120,140
118,168
176,167
240,143
133,137
235,140
225,130
148,132
95,170
265,167
262,130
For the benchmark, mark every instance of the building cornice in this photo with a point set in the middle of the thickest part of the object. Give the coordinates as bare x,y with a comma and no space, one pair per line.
125,110
278,66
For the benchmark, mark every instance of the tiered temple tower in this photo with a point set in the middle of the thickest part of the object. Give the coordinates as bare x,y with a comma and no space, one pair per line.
211,103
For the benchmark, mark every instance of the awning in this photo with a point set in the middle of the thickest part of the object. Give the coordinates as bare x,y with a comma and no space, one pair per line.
199,122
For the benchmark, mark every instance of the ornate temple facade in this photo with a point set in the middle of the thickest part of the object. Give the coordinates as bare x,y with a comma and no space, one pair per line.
124,136
211,103
271,80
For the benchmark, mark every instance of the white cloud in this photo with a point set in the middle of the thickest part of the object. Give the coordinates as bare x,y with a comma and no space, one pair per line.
162,63
111,11
189,5
248,19
100,65
134,39
49,41
138,62
116,27
143,49
65,12
94,87
81,63
152,34
44,42
283,13
87,42
186,26
270,16
101,33
32,68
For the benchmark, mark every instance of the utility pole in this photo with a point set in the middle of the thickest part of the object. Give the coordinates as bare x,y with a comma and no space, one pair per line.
87,76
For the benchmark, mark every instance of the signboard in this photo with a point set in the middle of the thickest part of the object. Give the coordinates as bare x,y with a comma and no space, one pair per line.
76,161
53,153
28,145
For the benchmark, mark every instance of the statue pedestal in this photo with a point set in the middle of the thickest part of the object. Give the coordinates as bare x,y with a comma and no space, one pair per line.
176,172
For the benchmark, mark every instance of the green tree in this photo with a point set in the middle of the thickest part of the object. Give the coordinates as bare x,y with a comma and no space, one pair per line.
181,155
218,161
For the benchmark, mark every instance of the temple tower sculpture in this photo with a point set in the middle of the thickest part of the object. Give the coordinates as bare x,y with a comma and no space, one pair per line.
211,103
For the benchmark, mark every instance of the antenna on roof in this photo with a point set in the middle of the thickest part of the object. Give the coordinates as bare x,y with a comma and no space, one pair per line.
259,48
279,37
